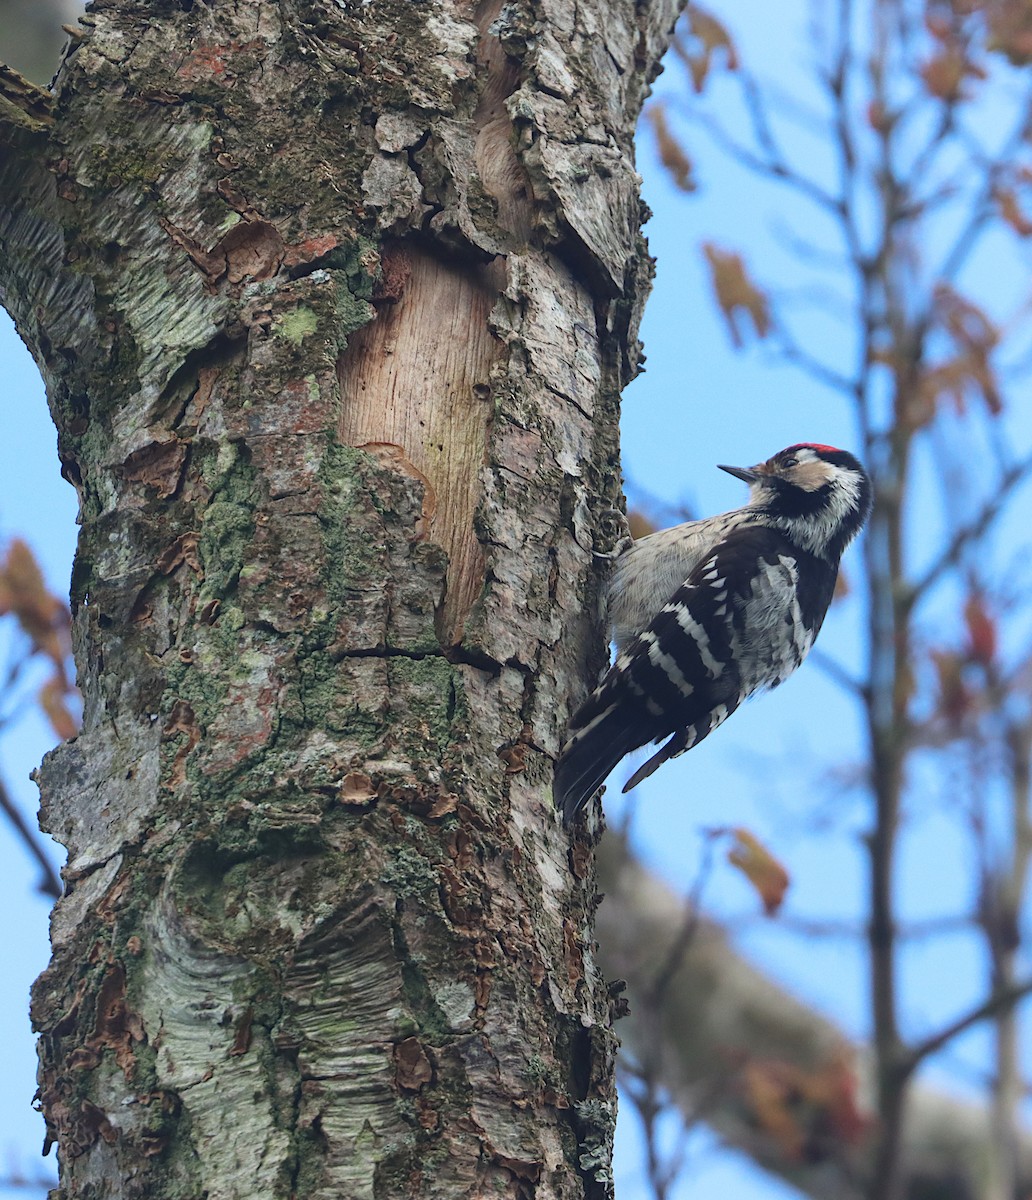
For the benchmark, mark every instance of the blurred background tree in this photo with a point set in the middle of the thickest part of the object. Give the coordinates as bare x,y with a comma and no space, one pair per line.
859,222
888,156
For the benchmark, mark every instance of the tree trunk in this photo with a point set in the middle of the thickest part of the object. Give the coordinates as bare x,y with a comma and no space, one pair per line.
334,303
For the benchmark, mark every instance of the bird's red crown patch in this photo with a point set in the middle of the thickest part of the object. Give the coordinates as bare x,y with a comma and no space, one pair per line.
816,446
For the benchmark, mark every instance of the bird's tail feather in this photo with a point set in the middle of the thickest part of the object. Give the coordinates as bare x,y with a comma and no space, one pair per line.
591,753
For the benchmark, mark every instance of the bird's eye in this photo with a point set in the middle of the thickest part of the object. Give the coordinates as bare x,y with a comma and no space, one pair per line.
790,462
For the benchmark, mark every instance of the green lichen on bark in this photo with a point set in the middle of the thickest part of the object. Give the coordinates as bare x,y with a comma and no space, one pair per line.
295,326
227,523
353,551
431,686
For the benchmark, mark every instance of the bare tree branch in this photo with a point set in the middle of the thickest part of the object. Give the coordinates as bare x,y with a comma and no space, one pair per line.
49,884
770,169
1016,474
834,670
995,1004
720,1013
983,207
790,350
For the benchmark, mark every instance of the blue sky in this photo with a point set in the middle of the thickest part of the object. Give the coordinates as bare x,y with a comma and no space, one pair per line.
36,503
778,767
782,765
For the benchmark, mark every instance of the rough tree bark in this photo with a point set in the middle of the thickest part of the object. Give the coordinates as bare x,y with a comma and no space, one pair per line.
334,303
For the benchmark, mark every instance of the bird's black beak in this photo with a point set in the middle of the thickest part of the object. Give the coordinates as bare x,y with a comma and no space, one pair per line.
746,474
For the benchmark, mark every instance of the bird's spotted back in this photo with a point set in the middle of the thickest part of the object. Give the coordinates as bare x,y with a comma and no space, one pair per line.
713,611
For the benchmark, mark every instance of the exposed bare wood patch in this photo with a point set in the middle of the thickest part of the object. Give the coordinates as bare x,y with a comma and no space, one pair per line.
415,381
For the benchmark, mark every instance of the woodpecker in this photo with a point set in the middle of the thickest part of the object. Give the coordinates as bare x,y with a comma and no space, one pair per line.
709,612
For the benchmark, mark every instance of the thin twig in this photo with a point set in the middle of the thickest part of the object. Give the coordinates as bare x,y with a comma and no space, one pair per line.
975,529
984,207
640,1087
995,1004
801,926
762,129
838,673
679,946
805,252
49,884
835,82
749,159
790,350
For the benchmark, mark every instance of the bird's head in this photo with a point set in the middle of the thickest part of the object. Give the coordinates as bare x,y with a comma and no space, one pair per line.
818,495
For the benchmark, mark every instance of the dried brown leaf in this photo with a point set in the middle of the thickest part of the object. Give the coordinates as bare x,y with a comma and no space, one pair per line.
712,34
955,698
878,117
1010,30
708,35
639,524
23,592
969,369
952,64
945,74
761,868
736,293
671,153
981,630
53,699
1011,211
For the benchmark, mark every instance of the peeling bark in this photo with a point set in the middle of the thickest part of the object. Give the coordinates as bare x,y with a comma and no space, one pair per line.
334,303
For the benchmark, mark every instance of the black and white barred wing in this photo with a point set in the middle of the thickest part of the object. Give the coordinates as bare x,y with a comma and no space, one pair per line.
737,624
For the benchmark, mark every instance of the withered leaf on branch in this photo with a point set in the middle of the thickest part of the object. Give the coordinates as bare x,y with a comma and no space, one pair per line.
53,699
952,65
708,35
1011,211
945,75
736,292
969,369
761,868
41,615
981,630
879,117
47,623
671,153
1010,30
955,699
